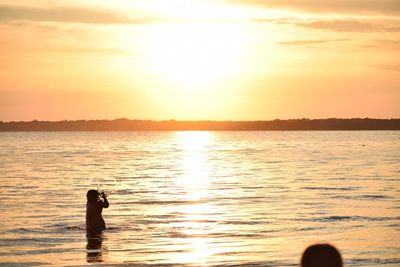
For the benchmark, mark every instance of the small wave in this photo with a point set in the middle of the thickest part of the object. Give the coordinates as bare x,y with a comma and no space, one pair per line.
394,225
18,264
305,229
118,229
167,202
331,188
135,192
60,227
255,222
338,178
259,235
155,221
362,197
35,241
42,251
261,264
250,187
183,235
75,228
276,263
83,228
28,187
374,197
27,230
374,261
342,197
352,218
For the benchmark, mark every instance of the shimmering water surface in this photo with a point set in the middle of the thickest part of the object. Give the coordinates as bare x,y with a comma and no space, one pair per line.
200,198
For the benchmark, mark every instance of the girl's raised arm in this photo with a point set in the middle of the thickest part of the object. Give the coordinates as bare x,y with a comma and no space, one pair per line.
105,201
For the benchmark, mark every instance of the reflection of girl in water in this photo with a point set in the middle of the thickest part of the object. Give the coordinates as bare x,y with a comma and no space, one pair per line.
94,207
94,252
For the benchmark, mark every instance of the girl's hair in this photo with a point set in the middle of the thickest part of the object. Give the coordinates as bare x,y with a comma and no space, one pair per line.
92,195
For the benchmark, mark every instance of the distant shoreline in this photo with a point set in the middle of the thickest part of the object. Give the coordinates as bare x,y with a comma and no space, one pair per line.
174,125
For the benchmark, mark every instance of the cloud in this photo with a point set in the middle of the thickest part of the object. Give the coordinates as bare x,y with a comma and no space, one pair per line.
89,50
348,26
383,44
387,67
72,15
389,7
338,25
308,42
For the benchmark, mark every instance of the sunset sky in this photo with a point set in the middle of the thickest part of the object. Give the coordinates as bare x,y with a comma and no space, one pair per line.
205,59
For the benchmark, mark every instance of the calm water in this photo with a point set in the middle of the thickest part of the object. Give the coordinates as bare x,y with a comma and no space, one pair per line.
200,198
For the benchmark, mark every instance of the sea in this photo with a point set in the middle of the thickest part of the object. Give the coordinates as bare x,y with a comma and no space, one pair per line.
199,198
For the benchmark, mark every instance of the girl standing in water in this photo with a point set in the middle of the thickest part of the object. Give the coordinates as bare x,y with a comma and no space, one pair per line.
94,207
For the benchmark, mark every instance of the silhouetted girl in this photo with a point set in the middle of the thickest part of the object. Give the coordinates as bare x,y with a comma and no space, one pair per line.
94,207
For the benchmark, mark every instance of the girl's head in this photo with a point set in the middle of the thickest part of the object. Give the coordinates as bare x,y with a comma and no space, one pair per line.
92,195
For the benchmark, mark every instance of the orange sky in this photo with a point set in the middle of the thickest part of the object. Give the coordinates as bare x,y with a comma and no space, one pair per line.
190,60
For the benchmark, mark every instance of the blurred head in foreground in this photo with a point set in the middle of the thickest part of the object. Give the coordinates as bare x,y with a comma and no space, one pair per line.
321,255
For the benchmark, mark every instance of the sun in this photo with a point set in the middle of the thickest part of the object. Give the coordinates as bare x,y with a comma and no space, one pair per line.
194,56
192,61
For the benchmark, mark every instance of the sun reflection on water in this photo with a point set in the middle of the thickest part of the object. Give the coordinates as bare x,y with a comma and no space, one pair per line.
194,163
195,182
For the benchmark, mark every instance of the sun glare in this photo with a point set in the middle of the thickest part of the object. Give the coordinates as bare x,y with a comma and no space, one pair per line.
191,56
195,55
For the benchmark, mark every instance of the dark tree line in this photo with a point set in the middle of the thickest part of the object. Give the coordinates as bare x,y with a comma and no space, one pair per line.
173,125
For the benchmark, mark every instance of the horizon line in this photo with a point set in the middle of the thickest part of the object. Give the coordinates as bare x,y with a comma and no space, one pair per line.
198,120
